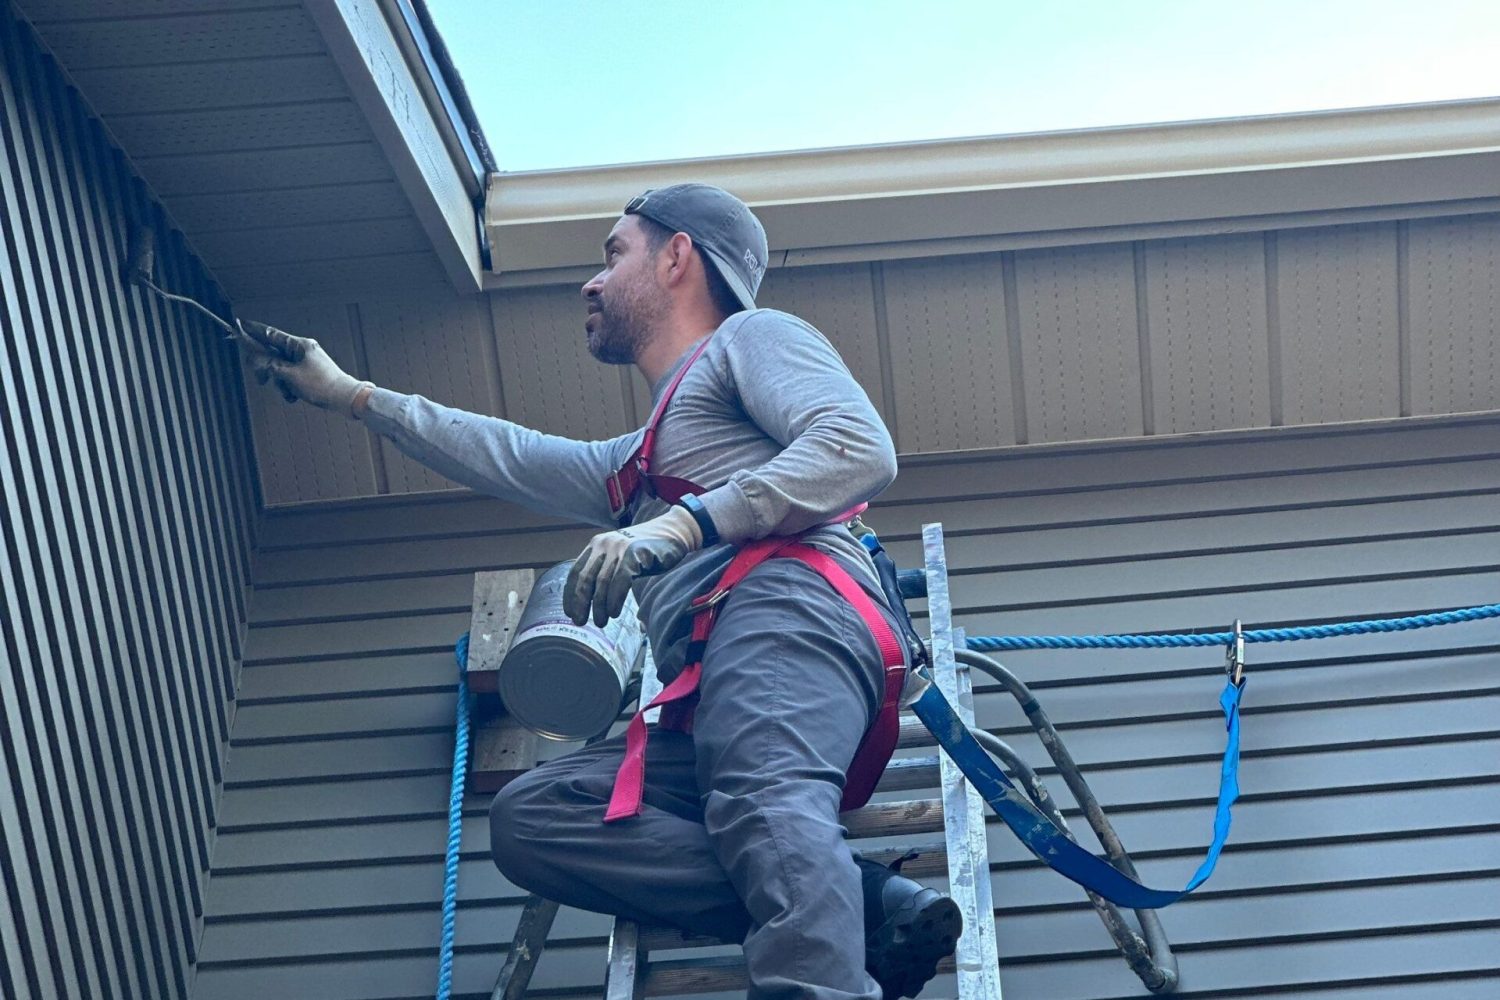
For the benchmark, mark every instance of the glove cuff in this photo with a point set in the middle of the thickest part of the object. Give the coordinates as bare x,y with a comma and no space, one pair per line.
351,403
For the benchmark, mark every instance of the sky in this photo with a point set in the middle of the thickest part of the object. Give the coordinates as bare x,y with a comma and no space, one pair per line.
568,83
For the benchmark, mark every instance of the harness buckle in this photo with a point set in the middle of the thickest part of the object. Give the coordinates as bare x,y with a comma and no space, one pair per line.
1234,656
705,601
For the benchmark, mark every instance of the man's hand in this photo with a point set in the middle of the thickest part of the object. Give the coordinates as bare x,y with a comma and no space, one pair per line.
301,369
602,574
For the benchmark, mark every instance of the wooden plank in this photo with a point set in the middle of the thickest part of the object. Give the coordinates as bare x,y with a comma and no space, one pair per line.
499,599
890,819
503,748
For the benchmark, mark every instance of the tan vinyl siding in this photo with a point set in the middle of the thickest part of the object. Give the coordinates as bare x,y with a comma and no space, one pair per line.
1098,341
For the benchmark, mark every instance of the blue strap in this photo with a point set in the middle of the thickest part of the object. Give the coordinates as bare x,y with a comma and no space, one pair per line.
1052,845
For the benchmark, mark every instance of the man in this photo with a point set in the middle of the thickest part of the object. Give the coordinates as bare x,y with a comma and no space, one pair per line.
737,833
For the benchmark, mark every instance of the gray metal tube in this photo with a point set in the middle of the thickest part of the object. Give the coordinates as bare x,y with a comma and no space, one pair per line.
1158,970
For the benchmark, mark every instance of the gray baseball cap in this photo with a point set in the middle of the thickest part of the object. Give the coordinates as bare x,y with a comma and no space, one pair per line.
719,223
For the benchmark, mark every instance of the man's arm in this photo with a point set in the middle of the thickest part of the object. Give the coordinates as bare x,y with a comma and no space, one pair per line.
836,452
549,474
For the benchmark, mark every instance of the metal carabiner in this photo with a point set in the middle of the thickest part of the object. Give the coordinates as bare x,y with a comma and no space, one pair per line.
1234,656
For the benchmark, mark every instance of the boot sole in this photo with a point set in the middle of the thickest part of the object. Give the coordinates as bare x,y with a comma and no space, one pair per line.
903,954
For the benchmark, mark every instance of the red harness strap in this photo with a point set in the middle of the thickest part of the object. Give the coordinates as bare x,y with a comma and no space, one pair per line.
679,698
621,486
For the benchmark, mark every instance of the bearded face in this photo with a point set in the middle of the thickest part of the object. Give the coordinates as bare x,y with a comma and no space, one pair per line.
626,302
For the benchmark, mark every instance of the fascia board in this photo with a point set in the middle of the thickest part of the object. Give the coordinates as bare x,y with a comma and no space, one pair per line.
887,196
394,102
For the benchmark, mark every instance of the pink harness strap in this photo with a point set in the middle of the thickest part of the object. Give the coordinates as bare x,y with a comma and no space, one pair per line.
622,484
678,699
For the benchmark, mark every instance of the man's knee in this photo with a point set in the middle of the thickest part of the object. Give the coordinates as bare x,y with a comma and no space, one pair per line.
517,816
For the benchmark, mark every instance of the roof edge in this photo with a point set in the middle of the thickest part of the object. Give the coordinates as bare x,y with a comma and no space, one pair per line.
965,188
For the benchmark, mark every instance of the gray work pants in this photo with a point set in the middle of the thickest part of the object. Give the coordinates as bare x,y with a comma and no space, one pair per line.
739,835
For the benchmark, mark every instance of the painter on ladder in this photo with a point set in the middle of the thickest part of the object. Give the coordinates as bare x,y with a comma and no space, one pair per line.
766,436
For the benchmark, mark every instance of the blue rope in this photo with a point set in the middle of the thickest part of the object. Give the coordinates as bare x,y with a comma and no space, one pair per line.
455,822
985,643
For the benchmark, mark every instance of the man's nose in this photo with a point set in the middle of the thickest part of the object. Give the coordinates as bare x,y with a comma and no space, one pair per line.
593,286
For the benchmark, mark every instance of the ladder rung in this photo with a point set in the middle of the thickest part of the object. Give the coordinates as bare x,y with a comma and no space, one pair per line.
885,819
907,773
710,975
913,733
655,937
694,975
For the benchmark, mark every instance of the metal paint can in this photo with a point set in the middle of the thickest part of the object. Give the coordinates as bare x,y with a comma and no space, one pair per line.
566,681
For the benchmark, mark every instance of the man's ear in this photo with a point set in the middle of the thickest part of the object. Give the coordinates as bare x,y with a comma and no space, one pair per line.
677,258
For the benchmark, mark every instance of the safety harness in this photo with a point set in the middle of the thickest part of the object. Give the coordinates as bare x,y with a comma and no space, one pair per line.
1051,844
679,699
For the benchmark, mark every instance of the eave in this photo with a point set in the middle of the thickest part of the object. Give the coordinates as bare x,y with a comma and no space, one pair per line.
1002,192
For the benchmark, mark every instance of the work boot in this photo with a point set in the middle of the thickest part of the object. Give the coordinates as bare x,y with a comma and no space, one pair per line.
909,929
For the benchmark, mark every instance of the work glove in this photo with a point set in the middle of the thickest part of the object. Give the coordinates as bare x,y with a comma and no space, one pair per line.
301,369
602,573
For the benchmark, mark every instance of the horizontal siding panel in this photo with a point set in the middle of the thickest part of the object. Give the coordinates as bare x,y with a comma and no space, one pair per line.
1368,813
1022,885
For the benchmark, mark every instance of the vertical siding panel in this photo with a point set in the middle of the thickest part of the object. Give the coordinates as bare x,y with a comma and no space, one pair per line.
54,603
1455,314
550,381
80,436
306,454
1206,300
1339,328
125,563
949,353
157,770
1080,353
438,347
840,302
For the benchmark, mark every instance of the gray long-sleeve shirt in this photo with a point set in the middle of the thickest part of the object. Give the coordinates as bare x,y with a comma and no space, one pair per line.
768,421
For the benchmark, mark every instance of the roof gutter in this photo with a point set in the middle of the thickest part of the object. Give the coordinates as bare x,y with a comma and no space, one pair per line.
1001,192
